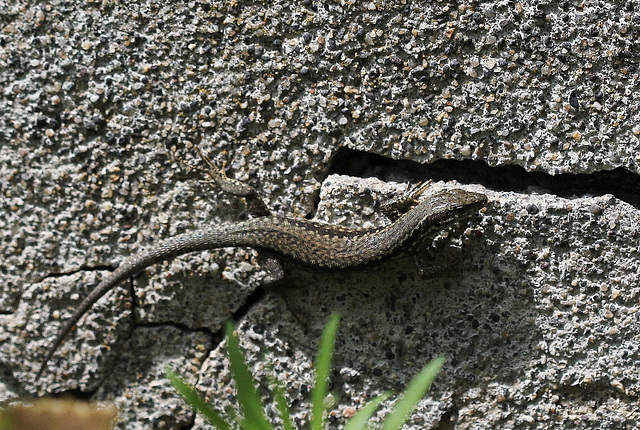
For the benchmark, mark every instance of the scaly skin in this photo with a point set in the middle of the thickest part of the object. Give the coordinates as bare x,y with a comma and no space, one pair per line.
307,242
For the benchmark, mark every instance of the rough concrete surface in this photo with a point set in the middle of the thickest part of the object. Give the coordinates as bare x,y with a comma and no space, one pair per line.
535,302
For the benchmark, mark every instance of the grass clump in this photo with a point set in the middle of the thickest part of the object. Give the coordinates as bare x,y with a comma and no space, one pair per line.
253,416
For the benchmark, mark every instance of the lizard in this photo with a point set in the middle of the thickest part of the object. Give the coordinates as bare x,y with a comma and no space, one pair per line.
304,241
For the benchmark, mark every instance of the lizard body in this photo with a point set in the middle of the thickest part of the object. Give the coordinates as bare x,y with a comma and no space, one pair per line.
307,242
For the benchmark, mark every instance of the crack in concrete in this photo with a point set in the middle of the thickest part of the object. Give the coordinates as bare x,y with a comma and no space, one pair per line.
620,182
54,275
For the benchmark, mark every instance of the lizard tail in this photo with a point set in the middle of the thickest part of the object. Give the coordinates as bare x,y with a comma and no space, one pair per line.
183,244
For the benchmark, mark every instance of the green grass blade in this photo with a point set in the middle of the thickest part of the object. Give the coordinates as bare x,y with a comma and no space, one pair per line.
250,402
232,415
361,418
212,415
416,390
281,404
323,367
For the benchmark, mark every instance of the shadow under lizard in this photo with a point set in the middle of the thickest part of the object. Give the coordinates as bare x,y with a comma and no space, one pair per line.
308,242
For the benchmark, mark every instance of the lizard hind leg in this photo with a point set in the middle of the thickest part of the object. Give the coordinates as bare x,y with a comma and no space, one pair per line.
272,266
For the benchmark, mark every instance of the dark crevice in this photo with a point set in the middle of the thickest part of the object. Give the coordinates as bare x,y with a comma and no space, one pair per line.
134,306
449,418
133,315
255,297
11,383
180,326
316,202
620,182
74,271
57,275
217,336
98,268
189,424
60,274
74,394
